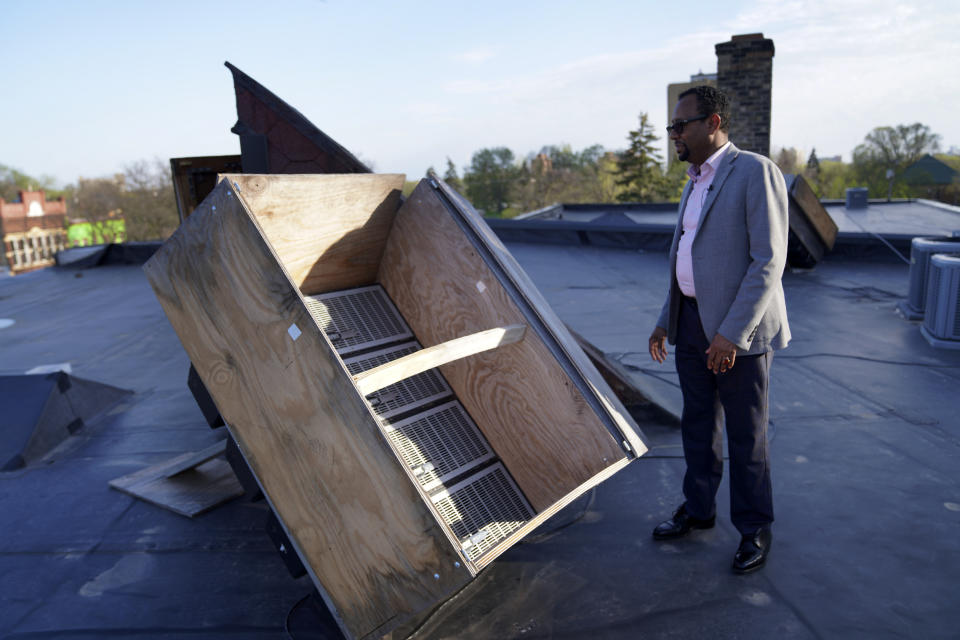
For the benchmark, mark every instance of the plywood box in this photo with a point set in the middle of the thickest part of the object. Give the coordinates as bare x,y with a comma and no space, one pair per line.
392,507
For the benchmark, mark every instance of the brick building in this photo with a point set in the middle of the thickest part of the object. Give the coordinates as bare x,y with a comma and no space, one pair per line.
32,231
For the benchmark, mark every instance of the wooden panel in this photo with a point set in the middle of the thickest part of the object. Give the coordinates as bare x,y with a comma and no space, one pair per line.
547,435
813,210
188,484
328,230
611,408
804,246
369,541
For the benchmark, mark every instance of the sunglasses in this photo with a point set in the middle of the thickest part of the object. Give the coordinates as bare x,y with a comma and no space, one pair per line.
678,125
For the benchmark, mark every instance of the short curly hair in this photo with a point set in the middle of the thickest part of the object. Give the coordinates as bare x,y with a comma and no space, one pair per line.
711,100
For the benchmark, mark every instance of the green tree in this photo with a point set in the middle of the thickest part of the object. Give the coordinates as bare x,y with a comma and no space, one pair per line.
675,179
490,179
608,166
451,178
558,173
13,181
891,149
833,179
147,200
97,201
789,159
641,175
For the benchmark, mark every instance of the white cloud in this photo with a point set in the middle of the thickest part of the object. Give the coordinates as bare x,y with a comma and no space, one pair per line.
476,56
843,68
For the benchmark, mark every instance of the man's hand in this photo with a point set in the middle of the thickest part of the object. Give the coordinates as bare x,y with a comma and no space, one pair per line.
658,344
721,354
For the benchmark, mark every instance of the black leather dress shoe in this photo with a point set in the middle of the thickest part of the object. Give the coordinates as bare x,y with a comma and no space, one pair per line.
753,551
680,525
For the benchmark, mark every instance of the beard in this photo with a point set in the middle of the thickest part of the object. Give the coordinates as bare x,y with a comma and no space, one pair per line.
683,152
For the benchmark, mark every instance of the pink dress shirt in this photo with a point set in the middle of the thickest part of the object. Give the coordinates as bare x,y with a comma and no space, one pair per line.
702,177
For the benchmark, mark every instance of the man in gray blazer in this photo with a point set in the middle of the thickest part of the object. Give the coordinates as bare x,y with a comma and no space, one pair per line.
725,313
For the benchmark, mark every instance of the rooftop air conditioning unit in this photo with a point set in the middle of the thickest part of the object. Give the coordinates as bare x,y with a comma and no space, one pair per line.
920,251
857,198
941,323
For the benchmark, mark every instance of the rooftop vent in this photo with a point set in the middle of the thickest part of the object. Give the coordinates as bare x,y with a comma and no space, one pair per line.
857,198
941,323
42,410
920,251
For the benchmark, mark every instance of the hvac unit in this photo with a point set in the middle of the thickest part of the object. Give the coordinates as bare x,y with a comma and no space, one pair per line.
857,198
920,251
941,324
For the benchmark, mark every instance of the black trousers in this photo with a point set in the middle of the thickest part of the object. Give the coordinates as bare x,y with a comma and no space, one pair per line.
741,395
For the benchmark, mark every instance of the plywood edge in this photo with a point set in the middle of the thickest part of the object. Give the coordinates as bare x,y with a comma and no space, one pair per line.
316,181
594,384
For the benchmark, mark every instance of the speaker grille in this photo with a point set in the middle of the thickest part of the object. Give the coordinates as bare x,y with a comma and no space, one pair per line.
400,397
439,444
483,510
358,319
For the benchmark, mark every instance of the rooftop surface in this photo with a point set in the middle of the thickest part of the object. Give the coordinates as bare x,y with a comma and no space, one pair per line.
865,441
895,219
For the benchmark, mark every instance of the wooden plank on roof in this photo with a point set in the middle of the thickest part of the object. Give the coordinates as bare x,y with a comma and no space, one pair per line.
189,484
358,522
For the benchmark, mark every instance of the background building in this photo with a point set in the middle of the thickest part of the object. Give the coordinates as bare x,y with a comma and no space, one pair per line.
32,231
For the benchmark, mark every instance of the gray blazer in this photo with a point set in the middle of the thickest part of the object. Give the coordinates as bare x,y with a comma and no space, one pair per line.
739,253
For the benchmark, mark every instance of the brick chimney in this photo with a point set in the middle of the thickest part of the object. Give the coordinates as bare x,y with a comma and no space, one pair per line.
745,74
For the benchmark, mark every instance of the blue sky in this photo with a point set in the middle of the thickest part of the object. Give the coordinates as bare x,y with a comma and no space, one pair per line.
92,86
